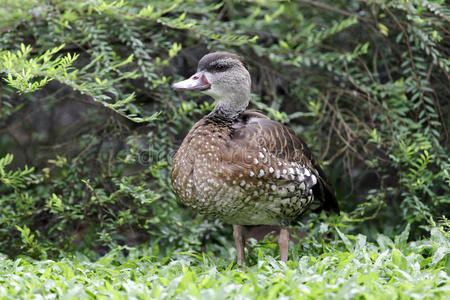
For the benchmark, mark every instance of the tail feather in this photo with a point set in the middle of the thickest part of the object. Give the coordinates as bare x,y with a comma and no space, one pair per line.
325,193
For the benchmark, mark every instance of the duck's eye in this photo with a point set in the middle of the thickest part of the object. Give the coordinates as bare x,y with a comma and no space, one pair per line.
220,67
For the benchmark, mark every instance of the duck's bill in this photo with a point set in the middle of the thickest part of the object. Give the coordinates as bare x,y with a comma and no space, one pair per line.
197,82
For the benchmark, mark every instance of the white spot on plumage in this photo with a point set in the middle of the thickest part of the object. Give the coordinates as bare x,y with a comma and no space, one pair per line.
261,155
261,173
256,161
277,174
273,187
307,173
252,174
314,179
271,170
242,183
302,186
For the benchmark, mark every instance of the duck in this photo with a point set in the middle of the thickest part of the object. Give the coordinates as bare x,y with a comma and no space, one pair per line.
241,167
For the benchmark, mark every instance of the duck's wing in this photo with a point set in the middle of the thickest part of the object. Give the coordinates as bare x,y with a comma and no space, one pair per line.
278,151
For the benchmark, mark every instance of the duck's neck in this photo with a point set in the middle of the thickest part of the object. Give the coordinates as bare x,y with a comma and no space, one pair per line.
226,113
232,106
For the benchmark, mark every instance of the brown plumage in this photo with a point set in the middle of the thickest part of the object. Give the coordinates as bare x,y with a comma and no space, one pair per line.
240,166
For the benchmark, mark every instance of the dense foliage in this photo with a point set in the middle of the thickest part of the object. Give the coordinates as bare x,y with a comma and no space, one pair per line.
347,268
88,123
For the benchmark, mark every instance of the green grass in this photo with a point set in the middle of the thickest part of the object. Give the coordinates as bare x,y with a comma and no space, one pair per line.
345,268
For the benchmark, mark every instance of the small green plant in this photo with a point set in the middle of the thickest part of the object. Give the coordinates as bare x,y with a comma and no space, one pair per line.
14,179
349,266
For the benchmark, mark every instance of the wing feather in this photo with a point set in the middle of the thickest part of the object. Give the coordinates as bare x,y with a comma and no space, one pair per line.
256,132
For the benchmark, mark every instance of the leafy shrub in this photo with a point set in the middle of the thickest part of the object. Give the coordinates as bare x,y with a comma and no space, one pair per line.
87,112
349,267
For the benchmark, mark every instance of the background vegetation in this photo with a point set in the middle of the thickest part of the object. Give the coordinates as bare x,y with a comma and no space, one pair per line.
88,127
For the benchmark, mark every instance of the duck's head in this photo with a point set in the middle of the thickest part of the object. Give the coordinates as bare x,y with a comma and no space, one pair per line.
224,77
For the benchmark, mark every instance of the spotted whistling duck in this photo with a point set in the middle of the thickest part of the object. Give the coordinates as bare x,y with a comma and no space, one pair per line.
238,165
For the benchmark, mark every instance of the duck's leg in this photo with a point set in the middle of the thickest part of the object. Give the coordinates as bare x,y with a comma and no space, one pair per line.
283,242
239,240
